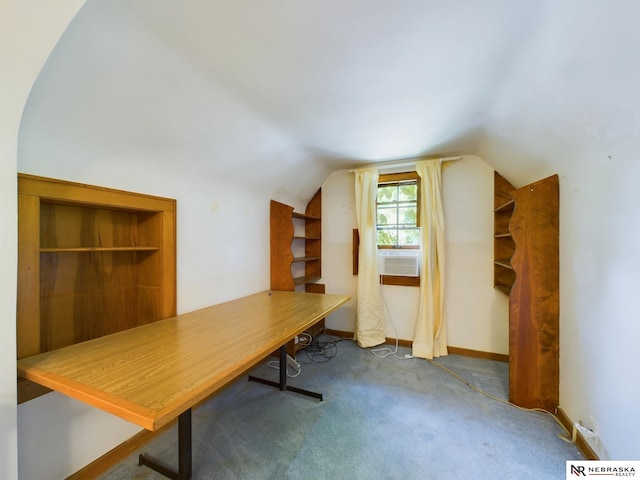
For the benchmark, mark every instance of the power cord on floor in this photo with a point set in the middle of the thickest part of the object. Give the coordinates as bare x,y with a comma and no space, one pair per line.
318,351
315,351
304,339
388,351
292,367
569,438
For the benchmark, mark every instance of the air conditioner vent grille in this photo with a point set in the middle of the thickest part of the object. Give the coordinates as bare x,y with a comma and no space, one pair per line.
403,263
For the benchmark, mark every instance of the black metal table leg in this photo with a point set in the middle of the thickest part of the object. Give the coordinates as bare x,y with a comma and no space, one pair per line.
184,452
283,368
282,385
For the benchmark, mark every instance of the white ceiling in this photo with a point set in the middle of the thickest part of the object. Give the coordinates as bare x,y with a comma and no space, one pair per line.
361,79
328,84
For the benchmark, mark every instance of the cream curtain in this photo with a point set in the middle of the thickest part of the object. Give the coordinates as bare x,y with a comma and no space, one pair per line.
370,324
430,334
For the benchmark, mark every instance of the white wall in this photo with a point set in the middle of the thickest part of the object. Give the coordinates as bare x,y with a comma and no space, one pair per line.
567,105
477,315
28,32
116,129
222,254
571,108
600,274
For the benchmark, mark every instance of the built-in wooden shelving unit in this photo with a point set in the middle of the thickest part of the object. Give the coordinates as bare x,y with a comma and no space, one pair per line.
300,233
534,301
503,246
526,268
91,261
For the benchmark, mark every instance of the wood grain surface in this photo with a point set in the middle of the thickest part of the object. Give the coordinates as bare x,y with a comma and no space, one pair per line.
150,374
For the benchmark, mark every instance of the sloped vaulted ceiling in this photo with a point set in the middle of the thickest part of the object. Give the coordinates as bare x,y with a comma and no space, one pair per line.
328,84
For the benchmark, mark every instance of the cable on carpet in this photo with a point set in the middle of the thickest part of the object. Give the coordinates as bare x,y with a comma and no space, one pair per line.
569,438
292,372
318,351
388,350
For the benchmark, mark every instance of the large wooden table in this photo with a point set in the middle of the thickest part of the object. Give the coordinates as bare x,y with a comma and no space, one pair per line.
152,374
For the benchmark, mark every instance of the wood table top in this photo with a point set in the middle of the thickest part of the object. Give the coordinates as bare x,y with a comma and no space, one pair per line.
149,375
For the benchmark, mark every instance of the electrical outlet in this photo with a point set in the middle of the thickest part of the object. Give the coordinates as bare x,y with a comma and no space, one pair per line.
589,431
590,425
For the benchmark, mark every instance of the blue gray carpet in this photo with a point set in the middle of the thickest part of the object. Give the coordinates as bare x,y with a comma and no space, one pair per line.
380,419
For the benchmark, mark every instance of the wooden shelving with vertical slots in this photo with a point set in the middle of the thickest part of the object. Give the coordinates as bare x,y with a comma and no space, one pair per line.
503,246
312,240
300,233
91,261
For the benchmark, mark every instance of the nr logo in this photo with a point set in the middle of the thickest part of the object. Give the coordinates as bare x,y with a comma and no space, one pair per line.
578,470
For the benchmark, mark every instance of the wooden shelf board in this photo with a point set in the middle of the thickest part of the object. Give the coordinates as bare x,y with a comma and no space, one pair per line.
506,289
305,259
302,216
305,279
505,206
97,249
503,263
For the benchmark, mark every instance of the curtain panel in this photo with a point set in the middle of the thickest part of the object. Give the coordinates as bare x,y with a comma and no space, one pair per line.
370,323
430,334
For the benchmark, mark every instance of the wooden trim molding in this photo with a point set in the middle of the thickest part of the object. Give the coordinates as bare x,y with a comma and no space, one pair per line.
399,280
499,357
117,454
398,177
339,333
355,251
452,350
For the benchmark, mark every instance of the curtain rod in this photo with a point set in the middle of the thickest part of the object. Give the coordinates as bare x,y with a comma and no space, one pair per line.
401,163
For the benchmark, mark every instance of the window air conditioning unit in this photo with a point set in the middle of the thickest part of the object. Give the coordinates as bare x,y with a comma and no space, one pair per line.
403,263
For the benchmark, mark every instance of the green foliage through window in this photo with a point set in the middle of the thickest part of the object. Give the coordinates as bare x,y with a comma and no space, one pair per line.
397,214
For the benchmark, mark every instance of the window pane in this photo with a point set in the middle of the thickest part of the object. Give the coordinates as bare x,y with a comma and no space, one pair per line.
409,237
387,194
397,213
387,216
387,237
408,192
407,215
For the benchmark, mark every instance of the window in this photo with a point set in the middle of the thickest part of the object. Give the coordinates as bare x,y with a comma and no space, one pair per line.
397,211
398,216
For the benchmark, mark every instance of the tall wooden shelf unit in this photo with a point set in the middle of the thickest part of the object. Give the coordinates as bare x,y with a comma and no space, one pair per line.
296,239
91,261
526,247
503,246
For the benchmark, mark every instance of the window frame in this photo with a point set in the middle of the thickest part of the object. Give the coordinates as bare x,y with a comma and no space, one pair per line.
390,178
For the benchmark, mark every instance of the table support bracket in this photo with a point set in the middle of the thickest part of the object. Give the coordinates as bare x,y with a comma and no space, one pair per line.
282,384
184,452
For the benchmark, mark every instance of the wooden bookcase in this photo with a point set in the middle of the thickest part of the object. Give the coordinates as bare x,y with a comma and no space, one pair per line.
526,267
286,239
534,301
296,239
503,245
91,261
